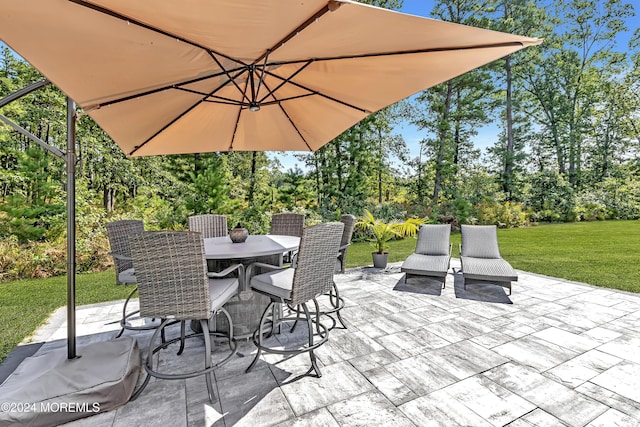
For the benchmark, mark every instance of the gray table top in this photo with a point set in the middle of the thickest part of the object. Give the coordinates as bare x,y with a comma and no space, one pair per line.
254,246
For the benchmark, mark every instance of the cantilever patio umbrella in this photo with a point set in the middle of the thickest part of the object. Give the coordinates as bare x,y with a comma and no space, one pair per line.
167,77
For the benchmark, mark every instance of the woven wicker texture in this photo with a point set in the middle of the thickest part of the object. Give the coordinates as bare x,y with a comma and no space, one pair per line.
480,241
118,233
349,222
317,254
287,224
209,225
433,239
172,274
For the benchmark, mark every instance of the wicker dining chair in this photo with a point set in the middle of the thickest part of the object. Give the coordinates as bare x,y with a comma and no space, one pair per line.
209,225
296,287
349,222
118,233
287,224
174,286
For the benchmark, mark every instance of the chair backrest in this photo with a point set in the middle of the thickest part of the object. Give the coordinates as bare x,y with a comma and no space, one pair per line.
317,254
118,233
209,225
287,224
172,274
480,241
433,239
349,222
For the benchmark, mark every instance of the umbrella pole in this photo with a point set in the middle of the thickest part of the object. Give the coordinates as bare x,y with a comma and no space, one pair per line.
70,160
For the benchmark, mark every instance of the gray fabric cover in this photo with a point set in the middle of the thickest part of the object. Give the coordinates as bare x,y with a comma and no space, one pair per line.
488,270
106,374
480,241
127,277
276,283
433,239
426,265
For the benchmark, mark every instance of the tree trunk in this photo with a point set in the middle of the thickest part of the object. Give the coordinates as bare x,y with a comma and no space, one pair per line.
379,166
442,140
108,199
252,179
509,153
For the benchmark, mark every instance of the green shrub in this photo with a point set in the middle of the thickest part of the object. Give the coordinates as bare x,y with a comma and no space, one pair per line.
504,215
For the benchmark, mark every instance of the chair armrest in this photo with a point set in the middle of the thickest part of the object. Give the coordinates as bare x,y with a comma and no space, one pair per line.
450,249
251,266
120,257
228,270
242,276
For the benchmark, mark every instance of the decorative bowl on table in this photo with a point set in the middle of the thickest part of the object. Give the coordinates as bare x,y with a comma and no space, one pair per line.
238,234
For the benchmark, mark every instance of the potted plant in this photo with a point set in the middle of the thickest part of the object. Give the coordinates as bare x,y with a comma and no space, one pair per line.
380,233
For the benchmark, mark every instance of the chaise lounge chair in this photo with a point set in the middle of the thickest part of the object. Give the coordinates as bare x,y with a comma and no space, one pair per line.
432,255
481,260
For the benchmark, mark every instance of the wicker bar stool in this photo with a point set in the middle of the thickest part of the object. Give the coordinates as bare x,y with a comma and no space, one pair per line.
335,300
174,286
209,225
297,286
118,233
287,224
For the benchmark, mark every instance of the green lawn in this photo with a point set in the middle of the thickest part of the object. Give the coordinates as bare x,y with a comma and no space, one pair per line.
600,253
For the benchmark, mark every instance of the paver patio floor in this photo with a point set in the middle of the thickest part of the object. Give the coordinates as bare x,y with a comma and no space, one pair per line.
554,353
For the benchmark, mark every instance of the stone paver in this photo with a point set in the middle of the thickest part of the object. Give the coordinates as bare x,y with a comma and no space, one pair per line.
555,353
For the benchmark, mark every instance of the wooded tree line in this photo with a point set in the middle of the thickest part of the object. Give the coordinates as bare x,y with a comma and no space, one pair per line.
568,110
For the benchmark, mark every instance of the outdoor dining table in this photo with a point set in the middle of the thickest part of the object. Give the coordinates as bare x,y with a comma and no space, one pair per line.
245,308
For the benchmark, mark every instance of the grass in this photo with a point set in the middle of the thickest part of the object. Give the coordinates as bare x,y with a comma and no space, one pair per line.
600,253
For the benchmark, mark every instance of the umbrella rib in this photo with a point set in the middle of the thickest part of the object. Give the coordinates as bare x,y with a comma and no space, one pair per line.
207,95
160,89
402,52
149,27
330,6
235,128
277,101
137,147
228,73
285,81
315,92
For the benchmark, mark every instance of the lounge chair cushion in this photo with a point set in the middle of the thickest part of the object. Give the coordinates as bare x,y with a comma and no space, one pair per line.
480,241
484,269
278,283
433,239
426,265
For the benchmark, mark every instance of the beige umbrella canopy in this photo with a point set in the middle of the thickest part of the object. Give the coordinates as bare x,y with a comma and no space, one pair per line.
168,77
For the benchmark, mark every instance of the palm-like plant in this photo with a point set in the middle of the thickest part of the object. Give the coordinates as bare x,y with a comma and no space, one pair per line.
382,232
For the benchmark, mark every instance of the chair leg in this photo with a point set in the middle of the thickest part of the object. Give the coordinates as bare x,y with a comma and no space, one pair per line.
259,337
207,359
148,365
182,333
297,318
338,303
312,355
123,321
